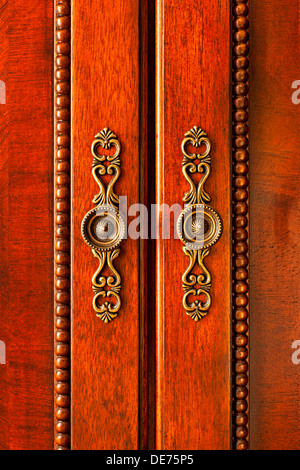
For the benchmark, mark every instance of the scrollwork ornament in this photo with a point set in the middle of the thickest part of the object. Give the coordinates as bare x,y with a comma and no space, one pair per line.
199,226
103,227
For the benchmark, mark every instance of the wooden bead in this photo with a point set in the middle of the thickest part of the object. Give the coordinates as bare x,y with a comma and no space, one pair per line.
62,387
241,22
62,310
241,36
62,271
241,367
63,48
241,432
241,354
62,258
241,300
240,116
62,297
62,362
241,129
62,284
240,89
63,167
62,414
63,154
241,142
63,34
241,182
241,155
240,274
63,127
241,419
62,101
240,195
241,208
241,394
62,349
241,314
240,327
241,287
241,444
62,375
241,221
241,380
241,340
241,49
240,235
241,406
240,102
241,63
62,401
63,8
241,10
62,426
62,440
63,22
62,323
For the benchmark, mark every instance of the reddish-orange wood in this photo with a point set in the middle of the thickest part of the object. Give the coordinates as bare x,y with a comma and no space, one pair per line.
275,225
153,377
193,359
105,357
26,207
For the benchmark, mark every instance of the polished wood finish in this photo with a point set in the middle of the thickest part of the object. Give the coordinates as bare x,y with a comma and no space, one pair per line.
193,359
275,225
26,208
105,93
153,378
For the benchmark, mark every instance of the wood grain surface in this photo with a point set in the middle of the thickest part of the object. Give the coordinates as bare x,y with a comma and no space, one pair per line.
152,378
193,359
105,93
275,226
26,215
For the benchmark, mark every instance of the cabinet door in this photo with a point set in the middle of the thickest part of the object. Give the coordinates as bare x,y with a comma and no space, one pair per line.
274,222
26,214
159,233
194,310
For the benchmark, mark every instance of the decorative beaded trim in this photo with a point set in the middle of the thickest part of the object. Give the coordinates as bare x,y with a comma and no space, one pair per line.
240,222
62,225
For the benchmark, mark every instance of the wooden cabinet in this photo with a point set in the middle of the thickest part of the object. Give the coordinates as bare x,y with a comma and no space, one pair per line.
127,127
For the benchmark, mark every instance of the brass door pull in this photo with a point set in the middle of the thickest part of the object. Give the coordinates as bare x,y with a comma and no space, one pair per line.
103,227
199,225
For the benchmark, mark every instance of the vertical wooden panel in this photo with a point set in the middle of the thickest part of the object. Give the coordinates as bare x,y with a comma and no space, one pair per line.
275,226
26,324
193,359
105,357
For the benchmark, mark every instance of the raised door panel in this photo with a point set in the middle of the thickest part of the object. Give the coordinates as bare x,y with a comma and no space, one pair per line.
26,219
105,94
275,225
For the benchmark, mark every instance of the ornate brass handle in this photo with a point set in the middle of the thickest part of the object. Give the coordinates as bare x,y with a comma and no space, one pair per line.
199,225
103,227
